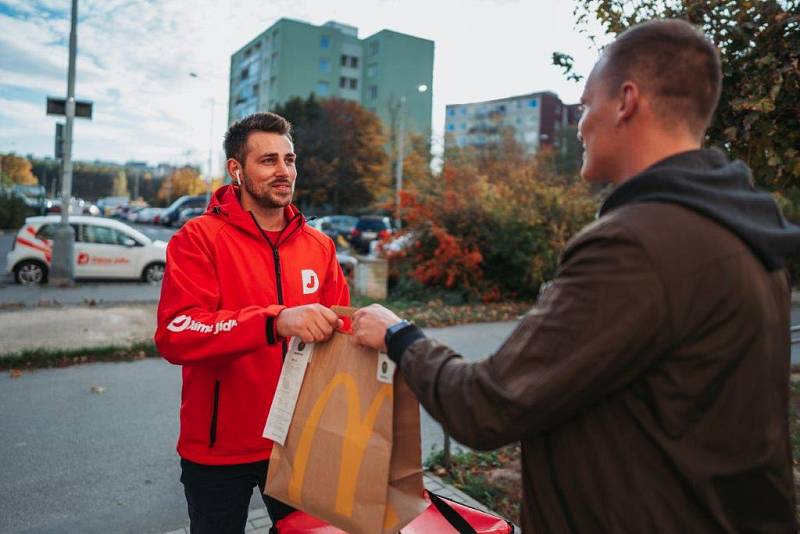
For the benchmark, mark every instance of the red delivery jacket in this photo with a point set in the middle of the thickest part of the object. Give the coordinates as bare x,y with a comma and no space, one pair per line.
225,283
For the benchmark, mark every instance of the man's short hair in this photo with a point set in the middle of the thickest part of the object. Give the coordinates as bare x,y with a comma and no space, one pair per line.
236,137
673,63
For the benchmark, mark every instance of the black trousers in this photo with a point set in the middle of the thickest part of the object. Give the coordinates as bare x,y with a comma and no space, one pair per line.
218,496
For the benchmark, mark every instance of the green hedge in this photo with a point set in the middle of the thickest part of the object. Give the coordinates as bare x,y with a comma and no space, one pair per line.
13,211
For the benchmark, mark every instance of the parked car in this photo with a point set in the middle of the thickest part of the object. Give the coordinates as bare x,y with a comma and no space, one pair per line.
132,214
173,212
149,216
346,261
369,228
189,213
335,225
104,248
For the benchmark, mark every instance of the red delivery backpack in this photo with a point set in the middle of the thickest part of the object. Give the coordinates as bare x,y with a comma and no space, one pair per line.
443,516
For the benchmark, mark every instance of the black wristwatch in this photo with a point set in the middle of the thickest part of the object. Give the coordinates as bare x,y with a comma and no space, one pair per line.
399,337
394,330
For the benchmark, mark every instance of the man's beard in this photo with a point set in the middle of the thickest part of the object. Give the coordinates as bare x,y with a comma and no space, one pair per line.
266,197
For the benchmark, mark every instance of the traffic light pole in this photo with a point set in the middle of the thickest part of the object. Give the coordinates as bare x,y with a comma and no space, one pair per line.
62,267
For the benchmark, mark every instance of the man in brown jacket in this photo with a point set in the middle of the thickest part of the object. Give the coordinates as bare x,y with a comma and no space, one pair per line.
649,386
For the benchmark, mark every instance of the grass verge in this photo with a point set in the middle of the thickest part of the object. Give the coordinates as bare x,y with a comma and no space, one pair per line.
43,358
492,478
436,313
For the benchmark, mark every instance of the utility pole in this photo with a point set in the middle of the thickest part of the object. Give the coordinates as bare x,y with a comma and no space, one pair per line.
398,171
62,268
210,151
401,137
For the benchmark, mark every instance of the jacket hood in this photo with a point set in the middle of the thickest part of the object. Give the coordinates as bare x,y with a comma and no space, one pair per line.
225,203
706,182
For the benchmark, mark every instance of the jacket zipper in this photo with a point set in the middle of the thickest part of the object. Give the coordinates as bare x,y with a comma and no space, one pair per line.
277,260
212,434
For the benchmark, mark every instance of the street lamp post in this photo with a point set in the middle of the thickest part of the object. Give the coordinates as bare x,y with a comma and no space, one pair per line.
401,137
210,150
210,145
62,268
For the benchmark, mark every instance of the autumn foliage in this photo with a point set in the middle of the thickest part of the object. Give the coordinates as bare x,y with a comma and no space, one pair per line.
491,228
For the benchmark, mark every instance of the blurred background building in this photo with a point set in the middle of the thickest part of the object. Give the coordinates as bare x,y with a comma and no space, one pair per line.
535,119
295,59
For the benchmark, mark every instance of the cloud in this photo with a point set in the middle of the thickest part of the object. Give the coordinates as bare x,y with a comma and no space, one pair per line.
135,56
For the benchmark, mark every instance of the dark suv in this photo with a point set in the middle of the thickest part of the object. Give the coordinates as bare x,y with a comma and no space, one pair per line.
368,229
173,212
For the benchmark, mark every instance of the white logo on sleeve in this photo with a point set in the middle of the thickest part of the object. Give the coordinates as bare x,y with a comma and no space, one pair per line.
179,323
310,281
184,322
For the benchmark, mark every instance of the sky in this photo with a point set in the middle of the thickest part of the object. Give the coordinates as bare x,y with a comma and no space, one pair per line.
135,59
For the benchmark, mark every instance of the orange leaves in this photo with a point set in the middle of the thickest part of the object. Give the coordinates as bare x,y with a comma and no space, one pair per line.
492,227
452,264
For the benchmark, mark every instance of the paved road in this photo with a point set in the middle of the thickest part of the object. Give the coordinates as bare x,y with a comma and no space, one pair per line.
77,461
112,291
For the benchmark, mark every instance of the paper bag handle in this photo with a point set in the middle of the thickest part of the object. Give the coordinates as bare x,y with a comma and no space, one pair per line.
344,311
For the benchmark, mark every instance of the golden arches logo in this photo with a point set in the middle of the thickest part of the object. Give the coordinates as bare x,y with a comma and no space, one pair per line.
357,432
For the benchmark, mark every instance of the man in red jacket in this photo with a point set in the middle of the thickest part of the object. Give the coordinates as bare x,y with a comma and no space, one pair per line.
240,280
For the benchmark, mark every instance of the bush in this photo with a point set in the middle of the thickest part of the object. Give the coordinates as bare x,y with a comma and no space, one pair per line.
490,228
13,211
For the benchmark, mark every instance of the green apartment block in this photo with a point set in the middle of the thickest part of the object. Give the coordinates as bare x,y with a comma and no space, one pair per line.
293,58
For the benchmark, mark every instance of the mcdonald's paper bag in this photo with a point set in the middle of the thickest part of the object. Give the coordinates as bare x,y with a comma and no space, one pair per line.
352,453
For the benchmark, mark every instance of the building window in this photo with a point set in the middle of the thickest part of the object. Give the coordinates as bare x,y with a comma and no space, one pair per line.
451,112
343,61
463,126
354,62
533,103
353,83
451,128
373,48
372,70
342,82
323,88
463,111
325,42
274,57
272,82
324,65
245,73
372,92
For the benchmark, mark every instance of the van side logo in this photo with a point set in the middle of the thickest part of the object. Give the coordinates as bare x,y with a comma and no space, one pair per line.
310,281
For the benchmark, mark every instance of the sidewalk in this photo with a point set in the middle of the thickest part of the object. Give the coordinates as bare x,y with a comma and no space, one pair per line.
258,520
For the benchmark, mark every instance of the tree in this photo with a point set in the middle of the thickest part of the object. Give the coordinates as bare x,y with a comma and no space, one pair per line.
758,118
341,164
183,181
120,185
16,170
492,224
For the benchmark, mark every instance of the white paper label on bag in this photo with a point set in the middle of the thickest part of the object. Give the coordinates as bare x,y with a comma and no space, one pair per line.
386,368
285,400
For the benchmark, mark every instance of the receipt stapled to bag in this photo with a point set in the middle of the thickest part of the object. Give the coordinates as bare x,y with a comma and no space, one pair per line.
283,404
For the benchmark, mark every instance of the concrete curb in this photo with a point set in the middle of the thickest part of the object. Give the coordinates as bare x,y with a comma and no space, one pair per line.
795,297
